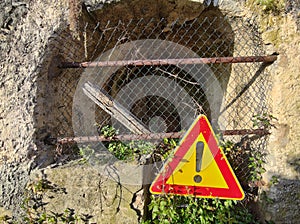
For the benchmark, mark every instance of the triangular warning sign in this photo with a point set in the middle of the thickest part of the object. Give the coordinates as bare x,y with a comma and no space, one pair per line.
198,167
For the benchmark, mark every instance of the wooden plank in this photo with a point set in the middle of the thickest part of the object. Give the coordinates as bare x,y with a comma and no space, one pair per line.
114,109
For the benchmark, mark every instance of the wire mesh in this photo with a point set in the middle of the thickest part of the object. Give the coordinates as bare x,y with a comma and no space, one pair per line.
167,98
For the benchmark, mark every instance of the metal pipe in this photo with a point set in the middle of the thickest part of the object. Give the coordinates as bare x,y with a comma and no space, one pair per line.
216,60
151,136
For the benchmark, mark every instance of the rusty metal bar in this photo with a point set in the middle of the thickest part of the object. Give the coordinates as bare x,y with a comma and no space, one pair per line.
129,137
151,136
216,60
246,132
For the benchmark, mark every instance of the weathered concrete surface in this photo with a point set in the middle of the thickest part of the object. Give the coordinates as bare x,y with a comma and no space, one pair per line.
83,188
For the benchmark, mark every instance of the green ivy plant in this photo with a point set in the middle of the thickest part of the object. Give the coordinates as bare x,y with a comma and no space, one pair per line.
256,166
108,131
126,151
257,158
187,209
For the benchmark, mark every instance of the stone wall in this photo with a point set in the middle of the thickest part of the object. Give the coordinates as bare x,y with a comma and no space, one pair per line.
280,31
25,30
282,34
34,38
31,38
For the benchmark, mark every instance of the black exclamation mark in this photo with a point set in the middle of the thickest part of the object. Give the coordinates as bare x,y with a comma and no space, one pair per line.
199,154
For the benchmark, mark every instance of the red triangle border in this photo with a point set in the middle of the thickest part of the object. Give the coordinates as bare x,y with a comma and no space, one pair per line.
201,125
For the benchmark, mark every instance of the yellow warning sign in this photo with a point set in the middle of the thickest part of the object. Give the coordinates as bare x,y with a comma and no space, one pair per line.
198,167
208,173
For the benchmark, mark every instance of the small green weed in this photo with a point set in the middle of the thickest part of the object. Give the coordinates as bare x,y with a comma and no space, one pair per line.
256,163
264,120
274,6
35,207
108,131
274,180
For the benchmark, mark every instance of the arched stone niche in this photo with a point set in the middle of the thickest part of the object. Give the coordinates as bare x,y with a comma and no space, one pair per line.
207,34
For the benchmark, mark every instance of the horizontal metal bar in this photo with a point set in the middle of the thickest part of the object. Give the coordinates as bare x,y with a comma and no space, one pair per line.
216,60
150,136
246,132
129,137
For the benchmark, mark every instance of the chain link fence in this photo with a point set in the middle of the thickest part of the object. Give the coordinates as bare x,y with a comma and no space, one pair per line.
149,82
